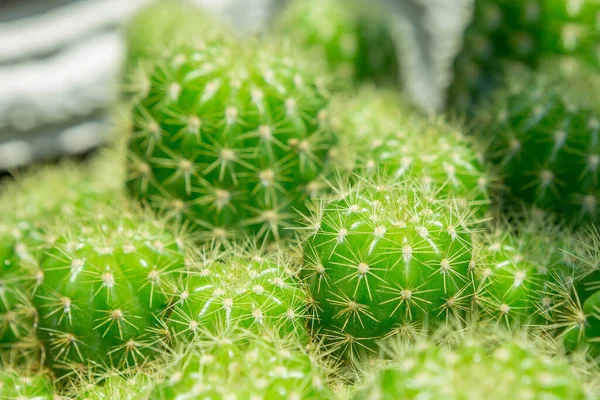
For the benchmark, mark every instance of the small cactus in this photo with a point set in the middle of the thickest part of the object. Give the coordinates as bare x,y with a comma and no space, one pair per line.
543,137
104,291
512,368
379,135
244,367
353,38
230,140
239,289
383,258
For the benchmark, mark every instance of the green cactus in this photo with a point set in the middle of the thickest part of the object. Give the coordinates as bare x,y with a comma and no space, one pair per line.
161,28
354,39
384,258
104,290
23,385
230,140
379,135
521,268
115,386
510,369
239,288
543,138
244,367
571,28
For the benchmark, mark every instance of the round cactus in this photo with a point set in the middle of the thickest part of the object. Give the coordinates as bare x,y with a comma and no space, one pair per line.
380,136
384,258
22,385
543,137
239,289
230,141
244,367
104,290
521,268
355,40
475,369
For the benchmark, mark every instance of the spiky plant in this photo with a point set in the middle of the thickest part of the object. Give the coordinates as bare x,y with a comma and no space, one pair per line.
230,140
161,28
521,268
380,135
543,132
20,384
103,295
244,287
478,368
385,257
354,39
244,366
114,386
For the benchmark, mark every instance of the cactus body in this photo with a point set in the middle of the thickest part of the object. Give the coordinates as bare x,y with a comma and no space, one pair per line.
383,258
116,387
543,137
354,39
473,370
380,136
245,290
104,291
266,368
19,385
229,141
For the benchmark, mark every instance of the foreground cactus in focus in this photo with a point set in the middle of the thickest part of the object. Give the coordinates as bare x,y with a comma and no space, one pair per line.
543,137
386,258
353,38
244,367
103,295
239,289
475,369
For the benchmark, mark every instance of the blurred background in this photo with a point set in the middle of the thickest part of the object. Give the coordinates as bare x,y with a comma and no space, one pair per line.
60,62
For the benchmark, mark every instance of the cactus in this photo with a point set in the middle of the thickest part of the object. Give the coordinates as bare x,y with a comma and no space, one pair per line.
23,385
115,386
104,290
161,28
379,135
354,39
475,369
520,270
230,140
384,258
242,288
543,137
244,367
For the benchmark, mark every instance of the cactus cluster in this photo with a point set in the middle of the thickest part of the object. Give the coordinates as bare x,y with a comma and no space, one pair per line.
244,366
239,289
475,369
527,32
384,258
352,37
543,138
230,139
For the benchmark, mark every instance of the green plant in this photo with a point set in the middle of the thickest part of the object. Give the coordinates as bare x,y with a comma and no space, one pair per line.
355,39
103,295
115,386
512,368
380,135
244,287
542,131
23,385
230,140
244,366
386,257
